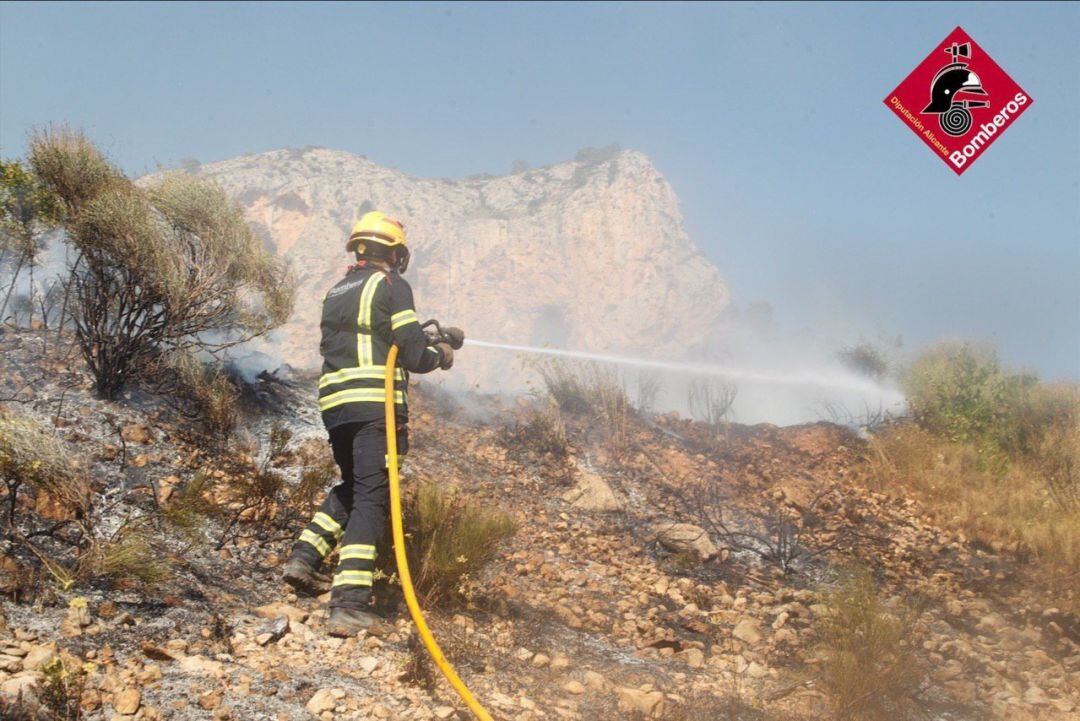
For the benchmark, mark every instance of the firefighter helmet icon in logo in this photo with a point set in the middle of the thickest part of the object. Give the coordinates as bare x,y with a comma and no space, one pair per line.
953,80
958,103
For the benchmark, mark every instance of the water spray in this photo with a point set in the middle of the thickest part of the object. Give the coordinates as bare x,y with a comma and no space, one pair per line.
833,381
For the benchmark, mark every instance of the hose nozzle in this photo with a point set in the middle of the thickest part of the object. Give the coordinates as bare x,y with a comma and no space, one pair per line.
453,337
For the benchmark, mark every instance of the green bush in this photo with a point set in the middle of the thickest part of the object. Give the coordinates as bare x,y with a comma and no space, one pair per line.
170,267
449,541
960,393
955,391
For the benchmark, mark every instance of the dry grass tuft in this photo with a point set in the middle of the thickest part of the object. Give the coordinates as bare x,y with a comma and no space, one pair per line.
1025,508
190,509
69,164
33,456
130,556
594,390
871,670
200,391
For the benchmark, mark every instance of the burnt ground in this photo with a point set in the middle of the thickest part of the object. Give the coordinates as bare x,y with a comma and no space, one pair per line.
585,614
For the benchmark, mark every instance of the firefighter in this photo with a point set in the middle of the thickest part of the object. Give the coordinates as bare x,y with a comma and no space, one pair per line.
368,310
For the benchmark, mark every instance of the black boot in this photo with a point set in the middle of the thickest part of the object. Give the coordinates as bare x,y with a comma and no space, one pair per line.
347,622
304,579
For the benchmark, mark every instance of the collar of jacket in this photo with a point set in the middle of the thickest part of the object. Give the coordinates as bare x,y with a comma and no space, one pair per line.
364,265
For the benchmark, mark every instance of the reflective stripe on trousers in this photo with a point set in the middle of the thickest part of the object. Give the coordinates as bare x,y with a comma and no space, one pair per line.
358,506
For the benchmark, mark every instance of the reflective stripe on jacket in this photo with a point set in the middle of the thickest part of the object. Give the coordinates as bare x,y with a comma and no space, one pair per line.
367,311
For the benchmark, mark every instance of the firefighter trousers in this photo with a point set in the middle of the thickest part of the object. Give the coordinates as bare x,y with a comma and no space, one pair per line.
353,513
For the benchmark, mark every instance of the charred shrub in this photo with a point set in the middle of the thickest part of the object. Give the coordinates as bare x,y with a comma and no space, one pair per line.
418,669
543,433
710,400
19,582
256,498
567,384
320,472
865,359
648,385
597,392
61,691
256,494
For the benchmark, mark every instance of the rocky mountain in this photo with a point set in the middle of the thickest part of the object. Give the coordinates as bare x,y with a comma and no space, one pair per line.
588,254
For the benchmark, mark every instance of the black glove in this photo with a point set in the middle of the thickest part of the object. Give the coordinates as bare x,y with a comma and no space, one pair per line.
446,356
455,337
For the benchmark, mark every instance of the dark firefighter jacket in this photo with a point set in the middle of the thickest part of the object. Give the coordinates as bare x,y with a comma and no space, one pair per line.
367,311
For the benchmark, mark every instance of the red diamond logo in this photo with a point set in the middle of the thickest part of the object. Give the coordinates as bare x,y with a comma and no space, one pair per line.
958,101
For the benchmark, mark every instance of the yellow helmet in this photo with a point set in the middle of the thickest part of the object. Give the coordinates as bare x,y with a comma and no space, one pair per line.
376,227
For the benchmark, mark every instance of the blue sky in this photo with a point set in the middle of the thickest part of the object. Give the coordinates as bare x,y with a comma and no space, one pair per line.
767,119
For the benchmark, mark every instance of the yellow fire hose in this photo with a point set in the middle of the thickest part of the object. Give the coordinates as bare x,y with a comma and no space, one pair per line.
399,548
